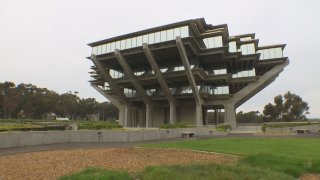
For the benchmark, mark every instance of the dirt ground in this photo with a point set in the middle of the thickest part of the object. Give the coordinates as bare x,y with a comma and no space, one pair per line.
55,163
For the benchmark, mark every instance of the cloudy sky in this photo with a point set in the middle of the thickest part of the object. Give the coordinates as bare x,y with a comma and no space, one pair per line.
43,42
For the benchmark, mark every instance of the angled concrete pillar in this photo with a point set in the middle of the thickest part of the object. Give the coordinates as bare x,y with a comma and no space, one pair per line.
192,82
114,101
230,115
137,85
106,76
162,82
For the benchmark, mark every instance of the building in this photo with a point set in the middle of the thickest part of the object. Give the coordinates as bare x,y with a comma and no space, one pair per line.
177,72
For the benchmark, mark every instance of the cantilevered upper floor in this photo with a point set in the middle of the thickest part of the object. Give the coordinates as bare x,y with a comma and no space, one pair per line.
221,64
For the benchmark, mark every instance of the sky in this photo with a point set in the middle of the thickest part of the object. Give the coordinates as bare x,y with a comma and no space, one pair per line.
44,42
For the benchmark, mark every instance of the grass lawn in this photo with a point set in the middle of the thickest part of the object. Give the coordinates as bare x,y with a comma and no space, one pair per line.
290,156
97,174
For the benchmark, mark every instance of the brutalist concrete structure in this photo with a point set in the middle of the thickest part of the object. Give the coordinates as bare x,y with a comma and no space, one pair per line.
177,72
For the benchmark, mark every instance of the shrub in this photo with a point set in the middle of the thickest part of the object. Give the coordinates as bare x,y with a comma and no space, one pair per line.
224,127
98,125
173,126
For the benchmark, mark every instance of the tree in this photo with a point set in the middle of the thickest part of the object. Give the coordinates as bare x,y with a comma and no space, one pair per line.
292,108
249,117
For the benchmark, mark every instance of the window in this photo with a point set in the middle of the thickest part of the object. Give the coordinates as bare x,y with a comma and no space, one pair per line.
213,42
156,37
232,46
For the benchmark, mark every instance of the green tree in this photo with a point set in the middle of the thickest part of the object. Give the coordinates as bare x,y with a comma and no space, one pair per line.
291,108
249,117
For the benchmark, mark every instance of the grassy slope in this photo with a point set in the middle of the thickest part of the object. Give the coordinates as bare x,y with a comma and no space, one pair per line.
293,156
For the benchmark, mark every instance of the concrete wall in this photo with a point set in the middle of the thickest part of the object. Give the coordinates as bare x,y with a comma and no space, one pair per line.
311,128
20,139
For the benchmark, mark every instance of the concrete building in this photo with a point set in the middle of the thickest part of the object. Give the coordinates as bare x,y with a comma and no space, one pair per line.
177,72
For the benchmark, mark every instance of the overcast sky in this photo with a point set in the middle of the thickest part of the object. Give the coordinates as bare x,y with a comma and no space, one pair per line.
43,42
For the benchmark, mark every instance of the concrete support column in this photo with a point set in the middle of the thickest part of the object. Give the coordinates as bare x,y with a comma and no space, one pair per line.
215,118
199,119
127,116
121,116
230,115
148,115
205,116
173,113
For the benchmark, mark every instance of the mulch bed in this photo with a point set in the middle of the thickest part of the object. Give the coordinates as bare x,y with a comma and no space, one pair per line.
55,163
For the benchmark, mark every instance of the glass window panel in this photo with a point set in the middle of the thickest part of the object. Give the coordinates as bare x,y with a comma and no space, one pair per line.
128,43
218,41
272,53
206,42
211,42
245,39
134,42
157,37
123,44
261,54
244,49
223,71
163,36
108,48
251,49
184,31
232,46
103,49
145,38
266,54
95,50
99,49
170,34
176,32
151,38
112,47
278,52
118,45
163,70
139,41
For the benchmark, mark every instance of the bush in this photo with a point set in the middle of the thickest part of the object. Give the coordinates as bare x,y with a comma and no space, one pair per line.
98,125
224,127
286,124
173,126
31,127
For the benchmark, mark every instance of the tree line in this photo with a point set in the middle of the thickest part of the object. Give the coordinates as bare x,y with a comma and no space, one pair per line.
287,108
29,101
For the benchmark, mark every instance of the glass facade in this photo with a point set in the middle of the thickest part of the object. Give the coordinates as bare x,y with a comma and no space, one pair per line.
248,73
150,91
215,90
247,49
129,92
152,38
270,53
213,42
232,46
116,74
